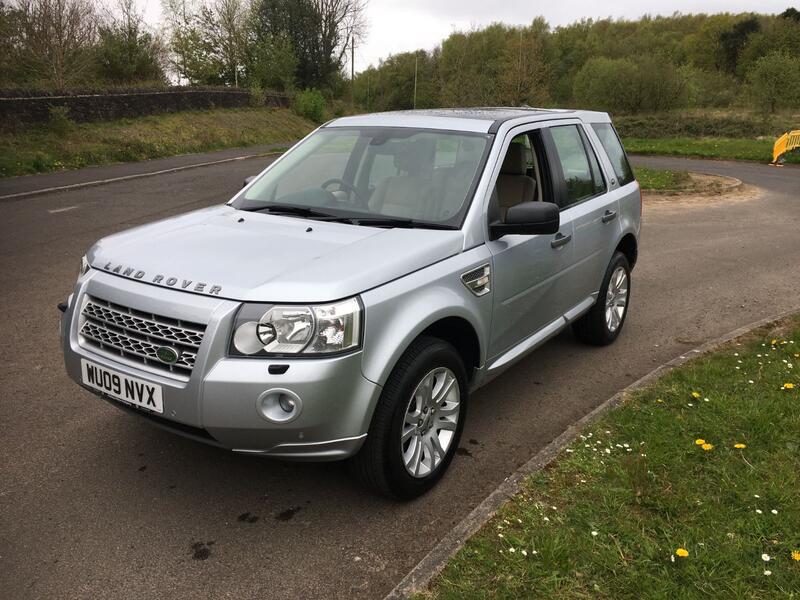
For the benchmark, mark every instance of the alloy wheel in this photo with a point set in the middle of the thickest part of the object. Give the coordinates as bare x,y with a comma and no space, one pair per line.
430,422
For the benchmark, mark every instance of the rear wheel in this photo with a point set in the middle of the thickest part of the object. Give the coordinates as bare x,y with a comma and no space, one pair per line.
603,323
417,423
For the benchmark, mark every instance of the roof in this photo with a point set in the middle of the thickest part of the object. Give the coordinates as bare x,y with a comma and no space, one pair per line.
479,119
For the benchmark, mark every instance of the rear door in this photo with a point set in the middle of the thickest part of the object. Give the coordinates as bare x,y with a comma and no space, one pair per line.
581,189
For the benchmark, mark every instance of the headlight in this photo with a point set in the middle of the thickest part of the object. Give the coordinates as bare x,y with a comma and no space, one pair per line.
269,330
85,266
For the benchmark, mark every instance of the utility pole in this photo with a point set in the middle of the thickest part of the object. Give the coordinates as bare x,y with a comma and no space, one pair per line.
416,63
353,71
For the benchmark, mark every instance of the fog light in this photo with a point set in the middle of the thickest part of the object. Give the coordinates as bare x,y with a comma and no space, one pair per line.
286,403
279,405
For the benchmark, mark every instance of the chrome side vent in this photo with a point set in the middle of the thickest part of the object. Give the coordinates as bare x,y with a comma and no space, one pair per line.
478,280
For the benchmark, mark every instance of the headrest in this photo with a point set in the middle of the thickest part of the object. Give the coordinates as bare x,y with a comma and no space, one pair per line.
410,158
514,162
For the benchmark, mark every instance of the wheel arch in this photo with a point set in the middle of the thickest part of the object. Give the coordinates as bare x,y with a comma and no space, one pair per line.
629,246
460,333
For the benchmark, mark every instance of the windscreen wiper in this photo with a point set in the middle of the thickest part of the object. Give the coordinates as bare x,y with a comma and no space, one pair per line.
399,222
297,211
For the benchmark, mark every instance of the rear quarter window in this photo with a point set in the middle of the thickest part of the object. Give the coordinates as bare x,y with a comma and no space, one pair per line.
616,153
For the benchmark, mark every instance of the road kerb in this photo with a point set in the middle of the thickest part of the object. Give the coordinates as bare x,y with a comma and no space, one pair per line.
433,563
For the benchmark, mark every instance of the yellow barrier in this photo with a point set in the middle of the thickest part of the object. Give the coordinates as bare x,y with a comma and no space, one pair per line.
787,142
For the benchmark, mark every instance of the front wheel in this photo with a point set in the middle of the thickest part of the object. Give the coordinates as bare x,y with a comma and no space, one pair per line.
417,423
603,323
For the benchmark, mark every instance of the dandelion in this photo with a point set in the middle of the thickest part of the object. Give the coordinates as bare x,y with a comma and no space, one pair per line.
696,394
773,342
699,441
795,554
766,557
707,447
787,386
682,552
740,446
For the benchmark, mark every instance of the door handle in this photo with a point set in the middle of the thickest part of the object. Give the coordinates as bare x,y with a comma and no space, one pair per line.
609,216
560,240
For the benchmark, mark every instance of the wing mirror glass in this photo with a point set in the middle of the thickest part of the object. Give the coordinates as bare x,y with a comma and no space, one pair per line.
528,218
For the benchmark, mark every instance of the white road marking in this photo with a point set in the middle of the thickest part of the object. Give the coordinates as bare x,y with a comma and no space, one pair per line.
60,210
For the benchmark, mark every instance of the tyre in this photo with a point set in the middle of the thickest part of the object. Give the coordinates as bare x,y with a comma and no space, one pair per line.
602,324
417,423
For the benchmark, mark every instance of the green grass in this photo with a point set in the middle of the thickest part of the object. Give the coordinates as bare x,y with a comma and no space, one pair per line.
694,123
50,148
606,519
661,180
724,148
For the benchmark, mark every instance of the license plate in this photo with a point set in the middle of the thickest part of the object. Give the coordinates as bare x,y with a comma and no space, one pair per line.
134,391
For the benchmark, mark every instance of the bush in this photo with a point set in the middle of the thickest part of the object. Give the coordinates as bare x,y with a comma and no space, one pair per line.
310,104
627,86
58,120
256,96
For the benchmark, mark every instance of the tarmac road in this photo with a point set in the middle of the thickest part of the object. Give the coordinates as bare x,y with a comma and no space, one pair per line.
94,503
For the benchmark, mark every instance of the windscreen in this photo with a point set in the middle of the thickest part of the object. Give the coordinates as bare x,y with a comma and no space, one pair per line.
422,175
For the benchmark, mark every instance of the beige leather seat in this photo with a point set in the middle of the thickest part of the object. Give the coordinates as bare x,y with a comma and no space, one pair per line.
513,185
407,195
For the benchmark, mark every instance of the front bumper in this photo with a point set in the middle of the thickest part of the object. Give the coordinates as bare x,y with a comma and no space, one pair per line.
219,403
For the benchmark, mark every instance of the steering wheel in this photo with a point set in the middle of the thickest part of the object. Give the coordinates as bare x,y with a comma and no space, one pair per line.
349,187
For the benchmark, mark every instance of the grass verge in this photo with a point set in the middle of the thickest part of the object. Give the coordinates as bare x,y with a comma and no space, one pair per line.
72,146
759,150
638,506
661,180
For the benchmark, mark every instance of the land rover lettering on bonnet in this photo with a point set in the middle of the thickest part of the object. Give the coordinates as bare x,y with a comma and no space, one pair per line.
348,300
159,279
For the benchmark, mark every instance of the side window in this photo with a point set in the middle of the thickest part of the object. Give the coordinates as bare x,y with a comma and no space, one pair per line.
582,176
611,144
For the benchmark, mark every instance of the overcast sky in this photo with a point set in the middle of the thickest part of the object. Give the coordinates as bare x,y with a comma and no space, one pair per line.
403,25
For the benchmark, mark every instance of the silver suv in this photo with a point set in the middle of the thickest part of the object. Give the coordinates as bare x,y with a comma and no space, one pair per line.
347,300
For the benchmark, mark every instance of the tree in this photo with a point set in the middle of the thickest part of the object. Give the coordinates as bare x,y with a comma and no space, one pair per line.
127,52
208,40
271,63
56,39
10,71
733,41
791,13
525,77
775,81
319,32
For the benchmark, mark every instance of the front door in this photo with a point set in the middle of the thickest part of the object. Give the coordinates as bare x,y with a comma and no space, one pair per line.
527,270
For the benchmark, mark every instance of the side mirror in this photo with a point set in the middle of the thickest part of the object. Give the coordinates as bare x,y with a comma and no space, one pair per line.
248,180
528,218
